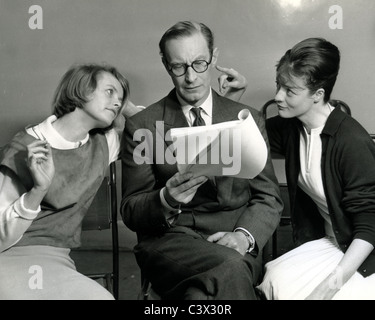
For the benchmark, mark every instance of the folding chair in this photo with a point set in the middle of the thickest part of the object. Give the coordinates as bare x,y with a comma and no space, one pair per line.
102,215
285,217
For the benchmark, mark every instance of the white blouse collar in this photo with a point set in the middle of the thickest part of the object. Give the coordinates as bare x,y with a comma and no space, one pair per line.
45,130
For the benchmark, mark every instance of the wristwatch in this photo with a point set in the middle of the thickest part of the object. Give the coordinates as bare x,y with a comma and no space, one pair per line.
249,238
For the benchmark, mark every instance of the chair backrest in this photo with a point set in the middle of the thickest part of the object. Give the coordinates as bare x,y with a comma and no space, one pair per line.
341,104
101,215
103,209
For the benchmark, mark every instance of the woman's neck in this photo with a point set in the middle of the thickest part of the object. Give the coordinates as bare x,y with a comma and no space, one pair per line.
316,117
71,128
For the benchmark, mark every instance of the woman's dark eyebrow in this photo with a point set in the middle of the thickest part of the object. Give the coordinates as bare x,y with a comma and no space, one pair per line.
285,84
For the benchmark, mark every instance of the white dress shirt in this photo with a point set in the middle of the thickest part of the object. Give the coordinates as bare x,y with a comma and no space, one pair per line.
190,117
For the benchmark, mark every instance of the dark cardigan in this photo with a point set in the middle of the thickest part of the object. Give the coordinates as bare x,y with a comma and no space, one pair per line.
348,173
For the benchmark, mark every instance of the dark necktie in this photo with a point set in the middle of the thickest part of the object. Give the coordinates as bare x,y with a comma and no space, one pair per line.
200,122
198,118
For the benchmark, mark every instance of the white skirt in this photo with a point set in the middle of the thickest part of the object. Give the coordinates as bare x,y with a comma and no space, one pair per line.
294,275
45,273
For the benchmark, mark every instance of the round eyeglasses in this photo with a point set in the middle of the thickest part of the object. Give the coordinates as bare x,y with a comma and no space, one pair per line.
179,69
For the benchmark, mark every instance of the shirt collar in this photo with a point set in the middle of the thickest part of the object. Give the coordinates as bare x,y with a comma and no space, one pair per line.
47,131
206,105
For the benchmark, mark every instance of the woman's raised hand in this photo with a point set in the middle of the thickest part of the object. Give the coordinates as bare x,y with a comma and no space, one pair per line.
40,164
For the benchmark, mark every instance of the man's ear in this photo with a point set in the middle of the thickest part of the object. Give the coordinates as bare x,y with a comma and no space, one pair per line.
319,95
215,55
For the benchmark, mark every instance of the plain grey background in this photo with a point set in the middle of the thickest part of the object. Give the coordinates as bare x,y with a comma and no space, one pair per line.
251,35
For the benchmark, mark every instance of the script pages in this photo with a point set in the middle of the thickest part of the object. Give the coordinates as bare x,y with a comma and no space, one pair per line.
233,148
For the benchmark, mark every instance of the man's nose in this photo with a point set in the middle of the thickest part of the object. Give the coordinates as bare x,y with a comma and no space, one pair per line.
190,74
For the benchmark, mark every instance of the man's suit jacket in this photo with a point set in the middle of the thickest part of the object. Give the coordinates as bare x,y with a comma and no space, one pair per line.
228,203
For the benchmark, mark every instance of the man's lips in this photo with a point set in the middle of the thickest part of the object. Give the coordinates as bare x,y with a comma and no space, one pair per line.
191,88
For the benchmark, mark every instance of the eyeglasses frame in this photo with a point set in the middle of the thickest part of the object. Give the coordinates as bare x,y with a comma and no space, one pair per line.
169,67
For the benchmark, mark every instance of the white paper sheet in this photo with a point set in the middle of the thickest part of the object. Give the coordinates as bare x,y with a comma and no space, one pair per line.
232,148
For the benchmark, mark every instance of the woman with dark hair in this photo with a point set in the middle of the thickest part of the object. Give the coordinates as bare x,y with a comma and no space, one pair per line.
330,169
43,200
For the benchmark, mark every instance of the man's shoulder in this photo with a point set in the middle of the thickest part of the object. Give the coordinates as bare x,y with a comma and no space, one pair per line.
236,107
148,116
150,112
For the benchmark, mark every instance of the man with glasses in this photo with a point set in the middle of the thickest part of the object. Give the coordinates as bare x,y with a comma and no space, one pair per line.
199,237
